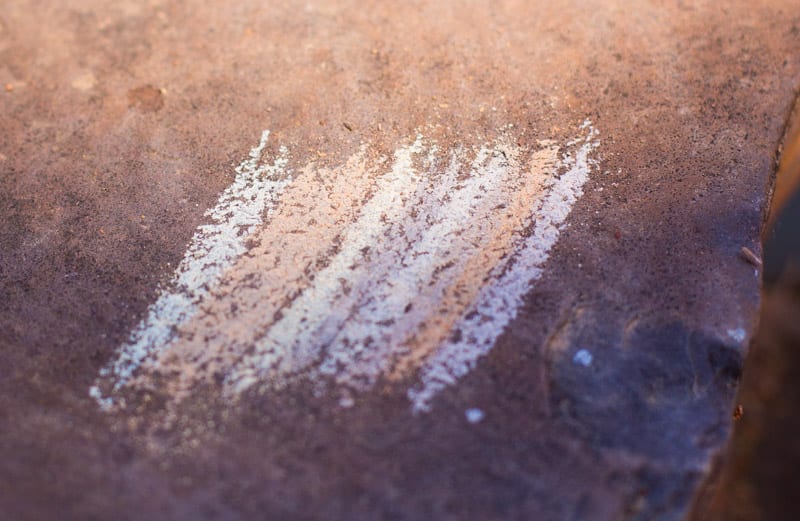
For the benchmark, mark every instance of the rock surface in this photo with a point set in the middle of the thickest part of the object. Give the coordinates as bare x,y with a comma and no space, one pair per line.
756,480
610,390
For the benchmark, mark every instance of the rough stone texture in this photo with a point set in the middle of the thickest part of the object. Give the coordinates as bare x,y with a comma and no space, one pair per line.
759,473
119,123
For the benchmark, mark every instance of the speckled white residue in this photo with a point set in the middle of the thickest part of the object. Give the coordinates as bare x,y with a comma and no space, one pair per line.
213,248
433,247
737,334
499,300
583,357
287,346
369,270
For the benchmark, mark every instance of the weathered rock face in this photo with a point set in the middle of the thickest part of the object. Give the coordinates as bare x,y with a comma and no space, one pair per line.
760,470
486,265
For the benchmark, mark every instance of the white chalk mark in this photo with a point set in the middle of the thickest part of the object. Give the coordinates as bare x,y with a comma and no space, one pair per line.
358,275
212,249
499,300
284,349
435,244
287,251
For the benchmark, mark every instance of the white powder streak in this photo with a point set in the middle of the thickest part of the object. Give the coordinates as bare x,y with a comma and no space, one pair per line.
499,301
314,210
443,242
212,250
450,245
490,237
287,342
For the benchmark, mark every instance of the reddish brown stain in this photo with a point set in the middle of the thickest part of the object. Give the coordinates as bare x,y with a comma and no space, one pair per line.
146,98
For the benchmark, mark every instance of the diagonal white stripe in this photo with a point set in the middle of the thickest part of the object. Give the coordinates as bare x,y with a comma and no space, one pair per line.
299,236
287,341
212,249
357,276
377,328
499,301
